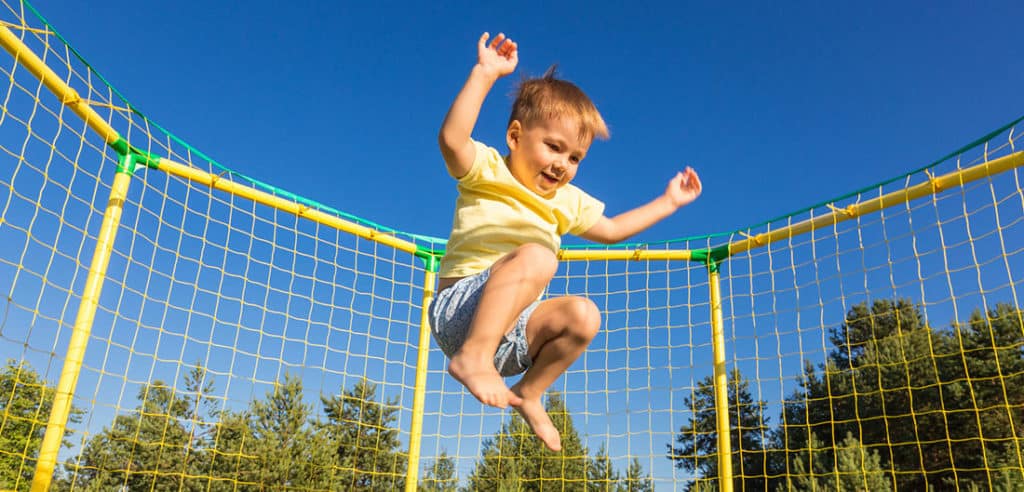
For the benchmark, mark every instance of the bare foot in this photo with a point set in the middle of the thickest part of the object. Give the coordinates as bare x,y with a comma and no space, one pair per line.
535,416
483,381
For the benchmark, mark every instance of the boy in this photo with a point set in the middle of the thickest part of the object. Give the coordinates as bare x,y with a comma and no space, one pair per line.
510,215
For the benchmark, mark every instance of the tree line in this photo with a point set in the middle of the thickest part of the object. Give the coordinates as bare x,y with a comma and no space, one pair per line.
896,404
180,440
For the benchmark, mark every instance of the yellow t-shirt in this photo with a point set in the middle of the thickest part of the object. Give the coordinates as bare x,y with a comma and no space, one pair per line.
495,214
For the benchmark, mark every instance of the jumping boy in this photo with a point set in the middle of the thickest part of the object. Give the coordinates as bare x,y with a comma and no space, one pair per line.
509,218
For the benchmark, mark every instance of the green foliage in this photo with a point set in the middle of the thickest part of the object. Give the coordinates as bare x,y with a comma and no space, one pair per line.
601,476
360,431
636,480
230,461
697,442
290,453
440,476
604,478
847,468
158,446
938,406
179,440
514,459
897,404
25,404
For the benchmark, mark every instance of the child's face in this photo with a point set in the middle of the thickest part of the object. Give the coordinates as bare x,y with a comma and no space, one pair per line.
546,155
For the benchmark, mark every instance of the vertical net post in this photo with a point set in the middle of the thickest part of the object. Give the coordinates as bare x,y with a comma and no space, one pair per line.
721,384
75,354
712,259
422,357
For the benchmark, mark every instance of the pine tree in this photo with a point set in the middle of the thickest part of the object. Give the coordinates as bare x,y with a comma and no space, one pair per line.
228,465
848,468
697,440
144,450
514,459
291,455
928,401
199,420
601,476
992,343
440,476
359,431
636,480
160,445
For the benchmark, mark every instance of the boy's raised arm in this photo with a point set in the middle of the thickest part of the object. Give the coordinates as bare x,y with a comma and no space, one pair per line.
494,60
684,188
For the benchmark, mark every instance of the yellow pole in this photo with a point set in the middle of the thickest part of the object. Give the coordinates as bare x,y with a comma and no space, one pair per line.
721,386
80,335
24,56
623,254
953,179
276,202
420,392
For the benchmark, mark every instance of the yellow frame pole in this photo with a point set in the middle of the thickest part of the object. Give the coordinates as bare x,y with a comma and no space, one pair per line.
624,254
68,96
954,179
80,335
721,385
214,181
420,391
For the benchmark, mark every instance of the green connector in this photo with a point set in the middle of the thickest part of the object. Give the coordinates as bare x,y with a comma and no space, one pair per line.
132,158
120,146
126,164
712,257
431,259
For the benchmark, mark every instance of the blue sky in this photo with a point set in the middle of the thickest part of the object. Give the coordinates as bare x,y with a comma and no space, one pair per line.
777,105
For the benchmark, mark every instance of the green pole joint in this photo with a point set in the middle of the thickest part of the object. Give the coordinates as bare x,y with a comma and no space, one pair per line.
712,257
431,259
120,146
132,158
126,164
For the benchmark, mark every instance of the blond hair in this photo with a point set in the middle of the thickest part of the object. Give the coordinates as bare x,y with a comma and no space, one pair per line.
548,97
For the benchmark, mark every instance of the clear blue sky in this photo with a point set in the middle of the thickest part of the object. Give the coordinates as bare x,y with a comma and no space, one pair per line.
777,105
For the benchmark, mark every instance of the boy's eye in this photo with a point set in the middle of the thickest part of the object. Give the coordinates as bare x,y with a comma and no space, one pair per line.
552,146
575,159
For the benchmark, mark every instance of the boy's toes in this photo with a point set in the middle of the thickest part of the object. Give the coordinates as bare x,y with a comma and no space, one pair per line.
537,418
495,400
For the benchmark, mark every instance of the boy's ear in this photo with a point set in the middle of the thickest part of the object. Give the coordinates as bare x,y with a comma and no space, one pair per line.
515,130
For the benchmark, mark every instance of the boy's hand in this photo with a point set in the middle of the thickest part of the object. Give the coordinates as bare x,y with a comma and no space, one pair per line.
500,57
684,188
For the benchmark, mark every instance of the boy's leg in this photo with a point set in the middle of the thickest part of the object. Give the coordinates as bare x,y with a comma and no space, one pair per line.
558,332
515,282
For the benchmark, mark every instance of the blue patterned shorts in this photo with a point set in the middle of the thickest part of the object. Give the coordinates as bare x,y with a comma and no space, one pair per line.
451,313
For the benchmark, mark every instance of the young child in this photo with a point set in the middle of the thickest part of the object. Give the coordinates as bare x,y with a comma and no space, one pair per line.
509,218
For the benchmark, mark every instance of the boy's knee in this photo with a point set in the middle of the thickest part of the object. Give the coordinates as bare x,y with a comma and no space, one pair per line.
540,261
586,318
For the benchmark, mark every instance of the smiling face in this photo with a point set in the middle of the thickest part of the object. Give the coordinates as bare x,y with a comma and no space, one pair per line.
544,156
